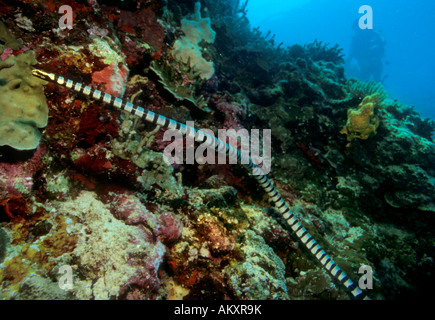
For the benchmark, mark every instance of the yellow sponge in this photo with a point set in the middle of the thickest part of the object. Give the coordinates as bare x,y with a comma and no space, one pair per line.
362,123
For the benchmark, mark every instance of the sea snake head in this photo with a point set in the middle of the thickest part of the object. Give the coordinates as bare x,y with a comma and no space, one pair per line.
43,75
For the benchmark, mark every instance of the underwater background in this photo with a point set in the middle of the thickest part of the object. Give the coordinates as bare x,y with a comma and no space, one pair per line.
406,27
91,207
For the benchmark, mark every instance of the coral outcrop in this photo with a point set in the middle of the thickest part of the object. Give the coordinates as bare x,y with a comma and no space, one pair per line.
23,107
262,274
362,123
187,49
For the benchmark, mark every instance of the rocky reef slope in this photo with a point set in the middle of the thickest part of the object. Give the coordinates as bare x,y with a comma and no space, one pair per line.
98,197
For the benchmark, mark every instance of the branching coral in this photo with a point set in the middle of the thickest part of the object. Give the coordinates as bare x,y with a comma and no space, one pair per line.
322,51
359,89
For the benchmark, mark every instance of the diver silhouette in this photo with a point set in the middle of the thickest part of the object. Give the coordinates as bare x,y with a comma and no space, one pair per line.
367,48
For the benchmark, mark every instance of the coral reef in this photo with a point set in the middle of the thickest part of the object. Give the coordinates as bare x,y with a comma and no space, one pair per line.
109,268
98,195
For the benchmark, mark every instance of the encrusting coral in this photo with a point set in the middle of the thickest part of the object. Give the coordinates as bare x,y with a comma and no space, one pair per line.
362,123
23,106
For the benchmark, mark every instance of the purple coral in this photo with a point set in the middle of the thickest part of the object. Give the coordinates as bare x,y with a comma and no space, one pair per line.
170,228
145,284
127,207
20,173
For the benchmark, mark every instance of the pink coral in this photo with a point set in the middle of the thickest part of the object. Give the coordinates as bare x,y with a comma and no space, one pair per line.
232,112
96,159
21,172
170,228
113,78
219,239
146,283
6,54
127,207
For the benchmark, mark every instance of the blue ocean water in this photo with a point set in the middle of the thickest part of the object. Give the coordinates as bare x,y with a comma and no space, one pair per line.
407,27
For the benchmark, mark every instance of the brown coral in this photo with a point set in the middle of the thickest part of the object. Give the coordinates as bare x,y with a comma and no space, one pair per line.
362,123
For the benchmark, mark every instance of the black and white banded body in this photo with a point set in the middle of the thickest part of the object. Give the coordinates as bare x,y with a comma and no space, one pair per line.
293,222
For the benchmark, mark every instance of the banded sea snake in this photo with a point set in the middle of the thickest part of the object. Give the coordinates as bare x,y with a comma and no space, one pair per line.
280,205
